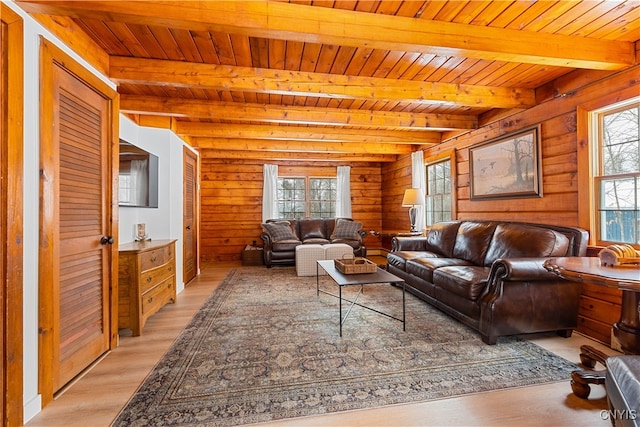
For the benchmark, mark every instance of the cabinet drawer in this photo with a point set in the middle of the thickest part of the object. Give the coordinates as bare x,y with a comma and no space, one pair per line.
155,258
597,330
602,293
150,278
599,310
157,297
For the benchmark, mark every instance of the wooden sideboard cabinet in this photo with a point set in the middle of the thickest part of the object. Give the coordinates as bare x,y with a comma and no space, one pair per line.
599,310
146,281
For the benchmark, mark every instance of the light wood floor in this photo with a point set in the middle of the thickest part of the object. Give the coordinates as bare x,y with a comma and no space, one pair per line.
97,397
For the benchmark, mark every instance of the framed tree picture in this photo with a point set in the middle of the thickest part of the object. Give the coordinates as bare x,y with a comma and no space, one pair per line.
506,167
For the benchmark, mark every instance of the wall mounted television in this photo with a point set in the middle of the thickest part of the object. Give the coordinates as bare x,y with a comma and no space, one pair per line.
138,177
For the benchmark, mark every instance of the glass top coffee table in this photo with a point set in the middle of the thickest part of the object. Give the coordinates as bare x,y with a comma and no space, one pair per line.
340,279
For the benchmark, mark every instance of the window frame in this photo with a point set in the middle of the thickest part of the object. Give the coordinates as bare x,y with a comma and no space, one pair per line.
438,158
599,175
307,195
586,115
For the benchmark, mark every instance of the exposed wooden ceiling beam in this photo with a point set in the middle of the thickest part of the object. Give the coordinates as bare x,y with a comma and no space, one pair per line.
196,108
299,146
291,156
304,133
225,77
286,21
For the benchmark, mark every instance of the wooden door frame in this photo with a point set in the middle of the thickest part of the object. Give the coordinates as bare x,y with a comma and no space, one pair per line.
186,151
50,56
12,220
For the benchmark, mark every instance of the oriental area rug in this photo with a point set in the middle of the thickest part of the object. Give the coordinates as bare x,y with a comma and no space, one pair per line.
266,347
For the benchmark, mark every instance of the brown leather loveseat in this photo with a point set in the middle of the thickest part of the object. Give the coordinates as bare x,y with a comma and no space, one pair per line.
282,236
489,274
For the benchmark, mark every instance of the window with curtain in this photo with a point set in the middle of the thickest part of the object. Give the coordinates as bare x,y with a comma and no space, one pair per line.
300,197
438,197
617,173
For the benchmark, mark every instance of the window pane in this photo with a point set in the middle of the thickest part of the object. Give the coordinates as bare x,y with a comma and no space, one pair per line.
621,147
619,226
618,194
438,199
291,197
322,196
620,210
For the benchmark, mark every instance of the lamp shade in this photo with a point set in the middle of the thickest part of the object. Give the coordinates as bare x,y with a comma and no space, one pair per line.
413,197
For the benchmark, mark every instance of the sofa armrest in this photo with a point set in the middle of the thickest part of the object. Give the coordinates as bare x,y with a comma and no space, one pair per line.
522,296
518,269
418,243
266,238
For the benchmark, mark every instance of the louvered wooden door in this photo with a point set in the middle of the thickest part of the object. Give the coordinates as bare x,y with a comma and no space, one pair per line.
190,251
80,228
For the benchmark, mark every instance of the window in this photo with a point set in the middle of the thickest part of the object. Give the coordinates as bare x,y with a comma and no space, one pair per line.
438,198
124,187
617,174
300,197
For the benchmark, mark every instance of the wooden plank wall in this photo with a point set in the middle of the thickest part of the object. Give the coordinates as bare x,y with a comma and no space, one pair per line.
396,178
556,116
231,201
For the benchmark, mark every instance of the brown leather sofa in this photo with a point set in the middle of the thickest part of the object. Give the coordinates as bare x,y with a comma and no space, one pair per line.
319,231
489,274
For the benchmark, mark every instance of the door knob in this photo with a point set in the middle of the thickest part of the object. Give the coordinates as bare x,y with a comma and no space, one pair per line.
106,240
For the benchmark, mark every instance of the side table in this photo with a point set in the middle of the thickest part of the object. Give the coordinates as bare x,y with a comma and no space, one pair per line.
626,330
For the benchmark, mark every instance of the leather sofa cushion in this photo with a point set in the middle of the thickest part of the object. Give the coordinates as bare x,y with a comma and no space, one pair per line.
424,267
353,243
312,229
399,259
472,241
316,241
442,236
467,281
285,245
521,241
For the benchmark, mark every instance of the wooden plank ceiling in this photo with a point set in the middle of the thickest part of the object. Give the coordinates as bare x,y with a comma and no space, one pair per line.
336,80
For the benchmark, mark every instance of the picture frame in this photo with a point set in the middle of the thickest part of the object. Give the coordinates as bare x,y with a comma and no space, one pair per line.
141,232
507,166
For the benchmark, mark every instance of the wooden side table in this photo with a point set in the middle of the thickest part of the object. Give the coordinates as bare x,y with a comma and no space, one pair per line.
626,330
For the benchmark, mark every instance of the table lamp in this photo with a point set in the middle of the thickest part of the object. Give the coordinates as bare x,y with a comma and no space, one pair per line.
413,197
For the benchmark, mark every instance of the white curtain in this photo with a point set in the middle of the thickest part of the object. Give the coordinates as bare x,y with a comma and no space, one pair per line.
419,180
139,181
343,196
270,192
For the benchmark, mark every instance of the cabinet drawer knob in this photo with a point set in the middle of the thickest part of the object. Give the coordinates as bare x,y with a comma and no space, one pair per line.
150,300
170,268
149,279
154,258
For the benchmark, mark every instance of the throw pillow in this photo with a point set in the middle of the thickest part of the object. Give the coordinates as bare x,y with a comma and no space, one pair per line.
280,230
346,229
